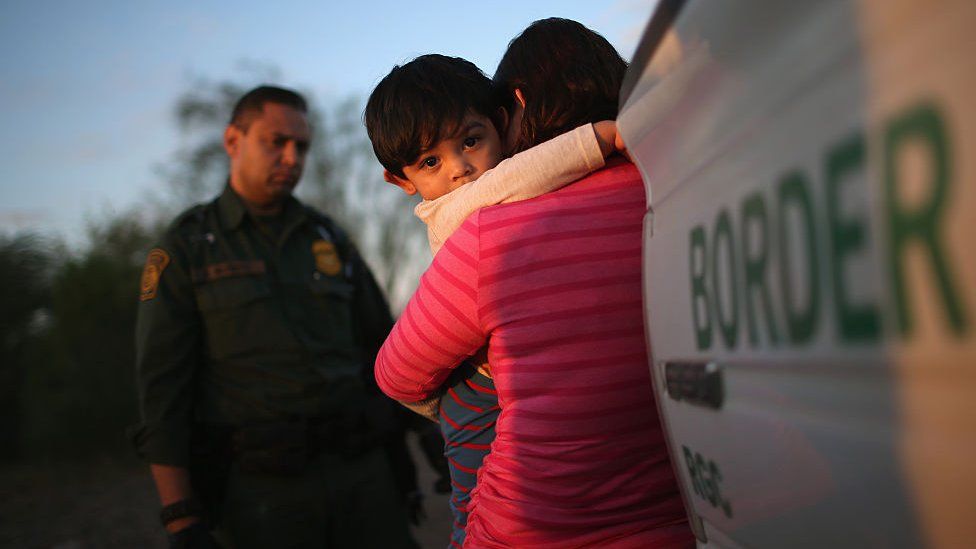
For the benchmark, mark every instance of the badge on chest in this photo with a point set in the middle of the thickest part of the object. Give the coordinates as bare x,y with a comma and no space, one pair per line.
326,257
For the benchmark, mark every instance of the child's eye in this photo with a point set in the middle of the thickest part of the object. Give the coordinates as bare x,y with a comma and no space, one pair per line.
471,141
429,162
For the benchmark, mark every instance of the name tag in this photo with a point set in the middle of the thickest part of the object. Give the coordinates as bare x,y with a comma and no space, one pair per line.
228,269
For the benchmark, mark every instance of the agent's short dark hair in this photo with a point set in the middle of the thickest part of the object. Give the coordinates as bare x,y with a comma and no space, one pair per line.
422,102
252,103
568,75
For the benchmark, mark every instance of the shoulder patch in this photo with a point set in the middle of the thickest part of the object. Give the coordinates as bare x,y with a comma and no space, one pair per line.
157,261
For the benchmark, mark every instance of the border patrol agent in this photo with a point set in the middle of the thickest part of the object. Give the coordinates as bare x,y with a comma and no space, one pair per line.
257,316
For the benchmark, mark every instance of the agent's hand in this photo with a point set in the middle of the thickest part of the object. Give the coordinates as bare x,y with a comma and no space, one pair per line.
442,485
415,507
194,536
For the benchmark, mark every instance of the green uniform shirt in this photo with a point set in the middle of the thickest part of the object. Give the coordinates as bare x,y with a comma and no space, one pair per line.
239,322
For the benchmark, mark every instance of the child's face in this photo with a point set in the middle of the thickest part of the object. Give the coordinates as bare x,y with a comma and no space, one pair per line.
455,160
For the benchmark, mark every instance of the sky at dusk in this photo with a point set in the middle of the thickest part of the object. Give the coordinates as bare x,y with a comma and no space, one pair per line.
87,88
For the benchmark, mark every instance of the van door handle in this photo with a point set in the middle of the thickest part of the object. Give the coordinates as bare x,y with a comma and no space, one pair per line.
695,382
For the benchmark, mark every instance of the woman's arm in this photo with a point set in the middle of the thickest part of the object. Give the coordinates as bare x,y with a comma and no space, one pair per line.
440,326
528,174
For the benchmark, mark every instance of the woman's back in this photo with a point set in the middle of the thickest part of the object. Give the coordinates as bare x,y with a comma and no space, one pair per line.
579,456
554,284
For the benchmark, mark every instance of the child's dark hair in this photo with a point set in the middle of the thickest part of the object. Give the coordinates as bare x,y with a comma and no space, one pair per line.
568,76
422,102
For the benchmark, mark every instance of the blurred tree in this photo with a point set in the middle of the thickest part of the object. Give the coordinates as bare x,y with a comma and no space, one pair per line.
342,177
24,291
80,381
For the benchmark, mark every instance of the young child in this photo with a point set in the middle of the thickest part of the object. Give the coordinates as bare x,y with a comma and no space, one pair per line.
435,127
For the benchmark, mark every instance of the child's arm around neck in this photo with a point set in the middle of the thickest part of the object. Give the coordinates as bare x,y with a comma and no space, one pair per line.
530,173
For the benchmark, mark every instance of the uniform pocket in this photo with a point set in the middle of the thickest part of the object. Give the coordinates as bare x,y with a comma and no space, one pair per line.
241,318
331,318
231,293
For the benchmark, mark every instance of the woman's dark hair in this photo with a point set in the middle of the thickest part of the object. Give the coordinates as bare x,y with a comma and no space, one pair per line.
568,75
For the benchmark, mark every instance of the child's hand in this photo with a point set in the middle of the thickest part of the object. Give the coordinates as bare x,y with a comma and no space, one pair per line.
609,138
618,143
606,136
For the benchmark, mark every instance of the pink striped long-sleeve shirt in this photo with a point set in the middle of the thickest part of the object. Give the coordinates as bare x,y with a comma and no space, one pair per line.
554,285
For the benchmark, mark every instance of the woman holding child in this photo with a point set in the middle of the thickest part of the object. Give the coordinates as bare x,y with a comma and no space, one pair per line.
553,286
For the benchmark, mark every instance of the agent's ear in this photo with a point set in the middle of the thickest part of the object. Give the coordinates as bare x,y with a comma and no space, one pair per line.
232,140
404,184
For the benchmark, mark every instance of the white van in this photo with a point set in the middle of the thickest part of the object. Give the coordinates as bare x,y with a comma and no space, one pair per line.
810,265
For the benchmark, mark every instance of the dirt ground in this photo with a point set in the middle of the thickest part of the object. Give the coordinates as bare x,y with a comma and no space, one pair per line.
112,504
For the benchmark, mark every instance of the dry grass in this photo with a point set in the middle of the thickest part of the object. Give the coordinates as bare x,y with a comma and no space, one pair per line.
112,504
